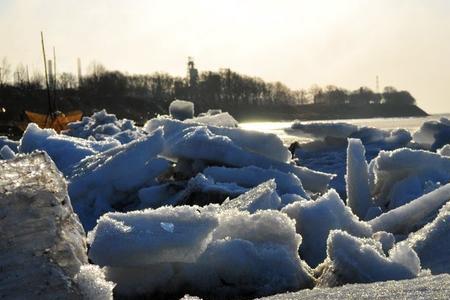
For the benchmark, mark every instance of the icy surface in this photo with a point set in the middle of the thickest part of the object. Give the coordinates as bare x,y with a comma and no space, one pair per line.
4,141
103,126
174,251
402,175
432,242
42,243
444,151
428,287
93,284
315,219
221,119
251,255
357,260
181,110
264,196
357,178
266,144
140,238
111,178
433,134
323,129
411,216
287,183
7,153
199,143
64,150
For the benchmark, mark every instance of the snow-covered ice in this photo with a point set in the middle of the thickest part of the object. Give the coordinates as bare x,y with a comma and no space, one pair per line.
107,179
432,242
415,214
149,237
103,126
262,197
7,153
433,134
287,183
426,287
220,119
399,176
181,109
357,178
64,150
315,220
265,144
362,260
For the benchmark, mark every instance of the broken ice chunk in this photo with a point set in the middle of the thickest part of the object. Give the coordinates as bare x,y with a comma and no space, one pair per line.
264,196
315,219
138,238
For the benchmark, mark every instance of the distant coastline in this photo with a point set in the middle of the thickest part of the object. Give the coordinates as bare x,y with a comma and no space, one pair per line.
328,112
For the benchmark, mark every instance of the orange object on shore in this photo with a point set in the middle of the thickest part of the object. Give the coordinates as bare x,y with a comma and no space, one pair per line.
57,121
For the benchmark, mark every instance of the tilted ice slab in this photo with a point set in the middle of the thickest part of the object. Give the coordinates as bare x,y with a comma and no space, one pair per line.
262,197
315,219
411,216
7,153
222,120
265,144
5,141
139,238
207,251
355,260
433,134
250,255
42,246
357,178
199,143
400,176
204,191
444,151
64,150
108,179
432,242
287,183
104,126
423,287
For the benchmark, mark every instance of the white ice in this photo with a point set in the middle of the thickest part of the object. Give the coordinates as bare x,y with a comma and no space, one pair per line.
102,181
181,109
399,176
266,144
7,153
64,150
432,242
357,178
199,143
411,216
221,119
144,237
315,219
262,197
287,183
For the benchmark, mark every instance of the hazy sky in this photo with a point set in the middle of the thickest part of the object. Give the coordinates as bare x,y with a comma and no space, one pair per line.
300,43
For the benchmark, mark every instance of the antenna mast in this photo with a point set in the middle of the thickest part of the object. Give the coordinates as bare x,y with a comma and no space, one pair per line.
46,74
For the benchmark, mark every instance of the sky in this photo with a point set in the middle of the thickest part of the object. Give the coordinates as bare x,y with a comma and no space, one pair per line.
345,43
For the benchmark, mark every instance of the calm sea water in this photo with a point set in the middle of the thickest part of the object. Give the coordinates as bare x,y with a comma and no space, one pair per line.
411,124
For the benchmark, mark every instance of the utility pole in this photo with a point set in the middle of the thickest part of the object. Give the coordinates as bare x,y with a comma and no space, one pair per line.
377,85
79,71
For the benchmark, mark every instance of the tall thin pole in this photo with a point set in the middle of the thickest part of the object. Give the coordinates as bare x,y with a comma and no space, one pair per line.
54,80
46,76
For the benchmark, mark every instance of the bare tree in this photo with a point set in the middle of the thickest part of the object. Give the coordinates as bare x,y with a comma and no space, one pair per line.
5,71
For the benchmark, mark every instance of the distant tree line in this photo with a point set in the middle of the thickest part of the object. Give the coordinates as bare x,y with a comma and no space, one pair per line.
222,89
